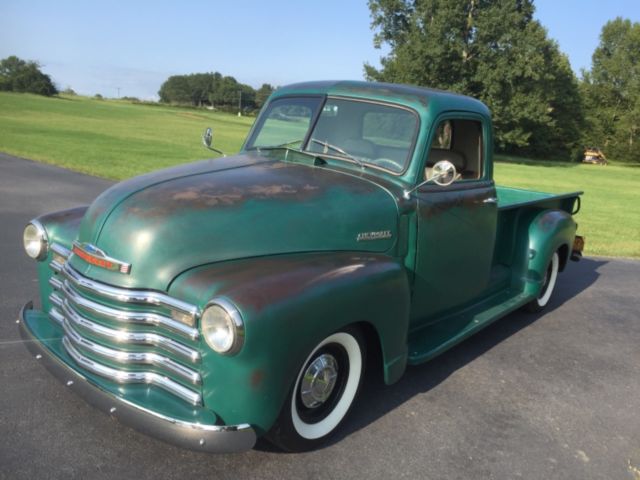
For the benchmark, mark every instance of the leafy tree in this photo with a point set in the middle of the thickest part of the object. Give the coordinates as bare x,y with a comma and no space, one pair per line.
490,49
21,76
175,90
262,94
612,91
198,89
199,86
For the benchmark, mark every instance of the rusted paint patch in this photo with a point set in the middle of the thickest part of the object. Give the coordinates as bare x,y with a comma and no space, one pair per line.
437,203
260,282
549,220
269,181
257,376
72,217
111,198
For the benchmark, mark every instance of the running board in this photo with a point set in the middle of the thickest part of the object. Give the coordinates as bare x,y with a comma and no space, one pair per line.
430,341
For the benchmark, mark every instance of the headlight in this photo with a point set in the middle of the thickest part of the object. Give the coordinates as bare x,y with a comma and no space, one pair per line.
35,240
222,327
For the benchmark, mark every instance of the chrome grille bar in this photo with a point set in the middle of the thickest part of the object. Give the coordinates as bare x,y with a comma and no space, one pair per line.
140,297
55,283
60,250
123,316
134,338
129,358
125,377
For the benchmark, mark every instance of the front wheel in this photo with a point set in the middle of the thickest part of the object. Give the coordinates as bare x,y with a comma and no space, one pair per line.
548,284
323,393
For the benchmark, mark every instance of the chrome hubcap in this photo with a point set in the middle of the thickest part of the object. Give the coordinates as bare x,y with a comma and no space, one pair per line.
318,381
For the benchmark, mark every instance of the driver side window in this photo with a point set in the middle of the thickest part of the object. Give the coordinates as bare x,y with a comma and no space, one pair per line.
460,142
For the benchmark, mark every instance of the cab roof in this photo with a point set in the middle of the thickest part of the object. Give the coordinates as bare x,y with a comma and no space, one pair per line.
419,98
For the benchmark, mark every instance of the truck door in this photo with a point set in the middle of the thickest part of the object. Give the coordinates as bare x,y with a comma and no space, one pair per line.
456,224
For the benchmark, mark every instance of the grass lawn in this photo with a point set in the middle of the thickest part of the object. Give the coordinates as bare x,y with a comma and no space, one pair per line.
609,217
117,140
111,139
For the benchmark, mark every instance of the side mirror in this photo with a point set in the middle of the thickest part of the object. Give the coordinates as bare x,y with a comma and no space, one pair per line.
207,137
207,140
443,173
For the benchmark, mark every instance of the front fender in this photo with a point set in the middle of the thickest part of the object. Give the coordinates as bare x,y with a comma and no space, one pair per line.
289,303
62,228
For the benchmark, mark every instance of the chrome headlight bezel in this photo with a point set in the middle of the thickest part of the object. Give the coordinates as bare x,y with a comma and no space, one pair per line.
35,233
221,315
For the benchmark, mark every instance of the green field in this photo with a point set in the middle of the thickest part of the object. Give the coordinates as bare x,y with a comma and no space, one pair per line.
608,218
108,138
118,140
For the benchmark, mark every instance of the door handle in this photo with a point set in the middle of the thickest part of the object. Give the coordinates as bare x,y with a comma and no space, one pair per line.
491,200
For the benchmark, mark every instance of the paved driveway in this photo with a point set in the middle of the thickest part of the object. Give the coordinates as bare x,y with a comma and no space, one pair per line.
533,396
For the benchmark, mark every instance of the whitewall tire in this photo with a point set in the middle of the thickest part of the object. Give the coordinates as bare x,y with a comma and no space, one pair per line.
548,285
324,391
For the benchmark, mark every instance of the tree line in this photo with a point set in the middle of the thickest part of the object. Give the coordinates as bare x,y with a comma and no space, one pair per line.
494,50
213,89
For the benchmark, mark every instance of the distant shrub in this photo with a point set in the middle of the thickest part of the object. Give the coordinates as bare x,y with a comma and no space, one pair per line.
18,75
97,96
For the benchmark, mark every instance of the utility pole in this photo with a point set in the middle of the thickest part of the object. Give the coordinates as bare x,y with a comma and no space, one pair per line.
239,103
118,88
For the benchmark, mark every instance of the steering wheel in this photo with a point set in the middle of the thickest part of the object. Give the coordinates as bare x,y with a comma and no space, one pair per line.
388,164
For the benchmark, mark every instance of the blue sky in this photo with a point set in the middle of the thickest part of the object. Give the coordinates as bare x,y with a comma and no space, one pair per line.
98,47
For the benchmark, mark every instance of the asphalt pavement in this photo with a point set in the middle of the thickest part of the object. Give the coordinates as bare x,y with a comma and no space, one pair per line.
543,396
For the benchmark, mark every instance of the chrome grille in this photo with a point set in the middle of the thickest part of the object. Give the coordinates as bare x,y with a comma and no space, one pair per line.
126,336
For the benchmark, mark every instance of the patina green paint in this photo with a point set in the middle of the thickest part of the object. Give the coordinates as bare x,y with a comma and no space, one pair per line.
454,226
263,209
288,302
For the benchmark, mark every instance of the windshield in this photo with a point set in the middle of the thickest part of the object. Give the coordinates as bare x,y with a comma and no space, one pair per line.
365,133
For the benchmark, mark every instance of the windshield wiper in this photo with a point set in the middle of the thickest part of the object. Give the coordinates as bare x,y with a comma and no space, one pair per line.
285,146
274,147
335,148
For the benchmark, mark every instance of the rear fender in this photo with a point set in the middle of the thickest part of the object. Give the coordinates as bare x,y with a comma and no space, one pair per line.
289,303
548,231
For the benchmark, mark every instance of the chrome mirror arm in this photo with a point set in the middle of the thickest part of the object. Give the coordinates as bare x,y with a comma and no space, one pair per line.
407,193
216,150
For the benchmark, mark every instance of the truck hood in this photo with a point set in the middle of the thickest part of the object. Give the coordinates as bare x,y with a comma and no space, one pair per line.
165,223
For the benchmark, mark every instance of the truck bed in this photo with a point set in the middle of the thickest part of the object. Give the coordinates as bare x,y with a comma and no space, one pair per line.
509,198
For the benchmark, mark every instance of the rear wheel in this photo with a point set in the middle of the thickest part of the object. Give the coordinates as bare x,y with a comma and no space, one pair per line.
548,284
323,393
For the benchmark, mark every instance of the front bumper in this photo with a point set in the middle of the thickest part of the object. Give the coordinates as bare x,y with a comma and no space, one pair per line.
194,436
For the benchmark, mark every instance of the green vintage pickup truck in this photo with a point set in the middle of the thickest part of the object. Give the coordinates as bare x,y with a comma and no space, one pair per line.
215,302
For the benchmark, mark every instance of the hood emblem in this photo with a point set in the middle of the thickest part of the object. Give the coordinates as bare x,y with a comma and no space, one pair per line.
93,255
380,235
